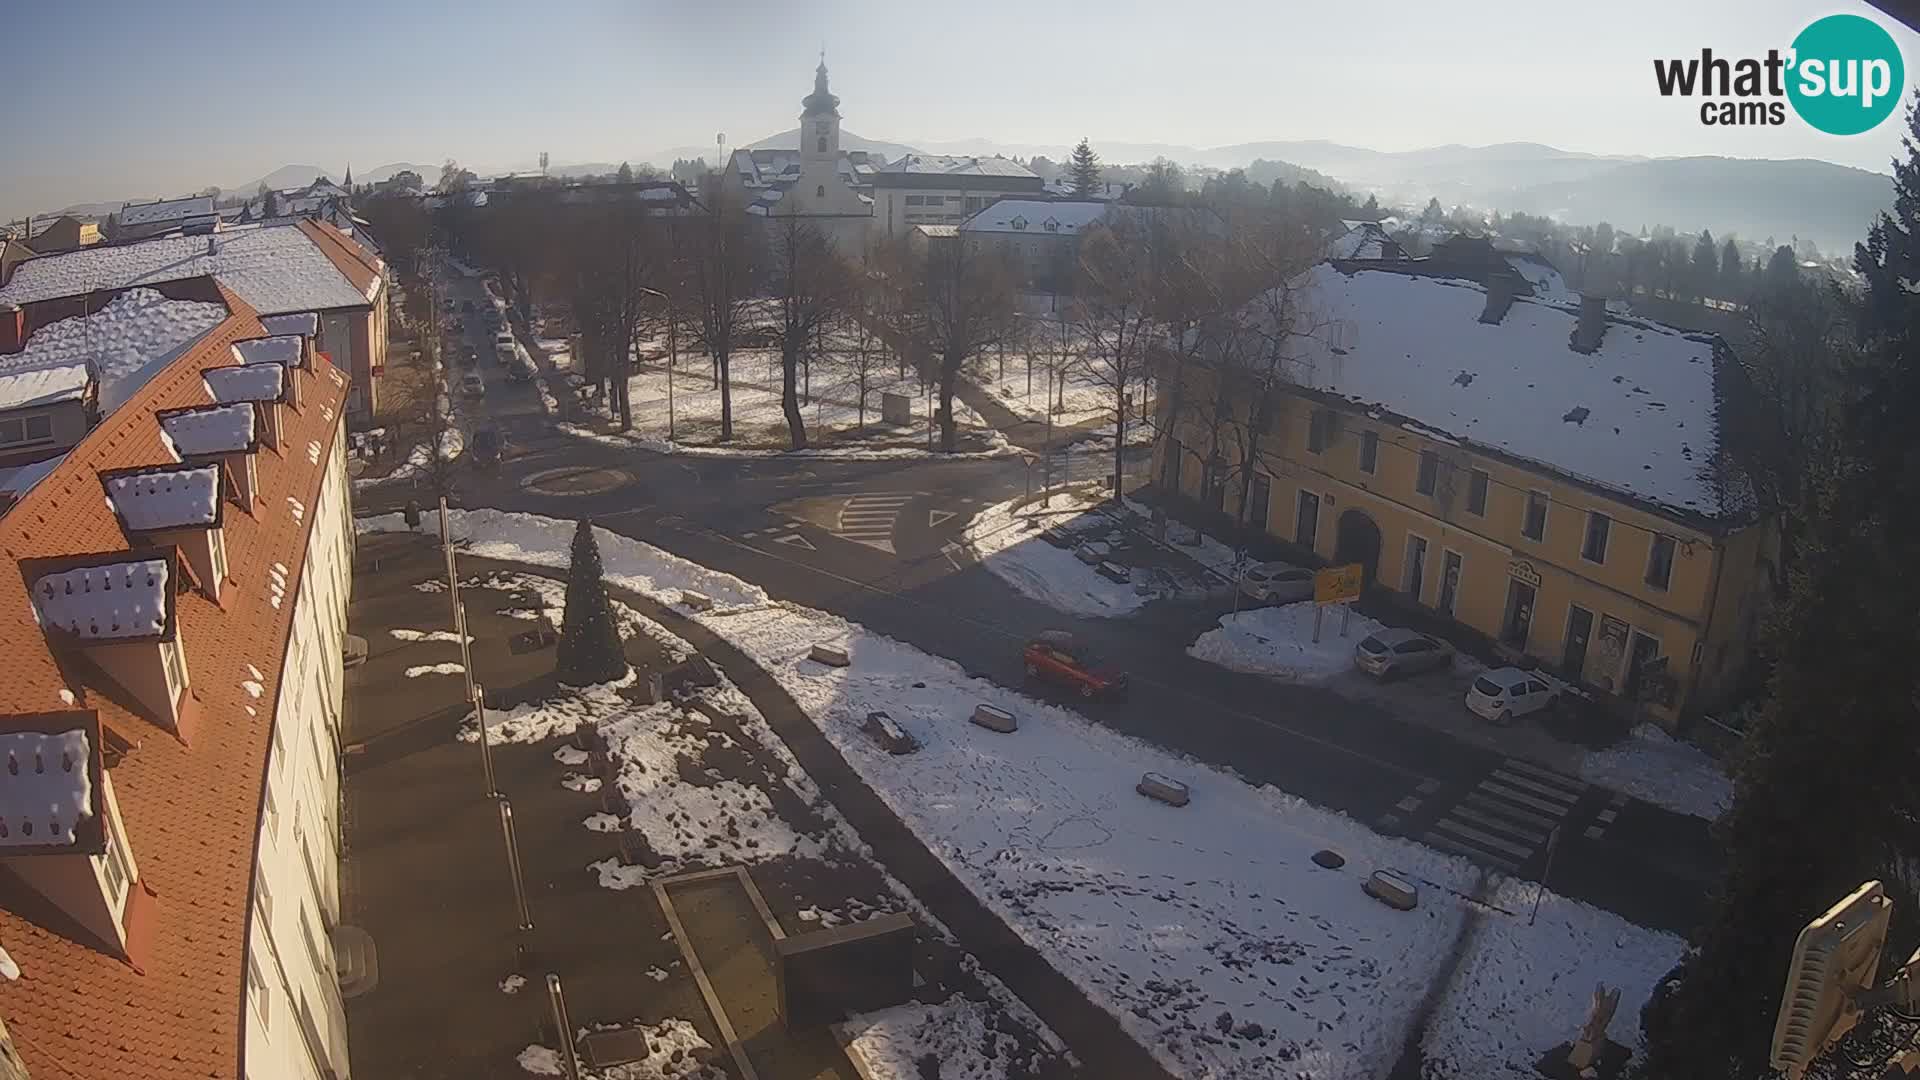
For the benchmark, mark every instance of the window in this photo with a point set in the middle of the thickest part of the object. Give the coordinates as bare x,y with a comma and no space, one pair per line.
1660,562
176,670
219,541
1595,548
322,958
1369,452
820,190
271,817
115,864
916,200
1449,582
257,987
263,898
1535,525
820,144
1429,472
1477,492
1317,432
26,429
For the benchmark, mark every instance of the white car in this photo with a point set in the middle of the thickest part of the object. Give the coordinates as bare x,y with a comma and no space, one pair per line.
472,385
1501,694
1277,583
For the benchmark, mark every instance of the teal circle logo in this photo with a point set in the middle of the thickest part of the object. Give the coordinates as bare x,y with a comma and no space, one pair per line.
1846,74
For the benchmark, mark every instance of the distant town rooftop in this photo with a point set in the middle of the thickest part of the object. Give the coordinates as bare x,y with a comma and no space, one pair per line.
166,210
1037,216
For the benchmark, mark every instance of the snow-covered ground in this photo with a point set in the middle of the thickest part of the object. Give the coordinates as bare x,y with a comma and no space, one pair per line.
1005,538
1278,642
760,425
1652,765
1205,930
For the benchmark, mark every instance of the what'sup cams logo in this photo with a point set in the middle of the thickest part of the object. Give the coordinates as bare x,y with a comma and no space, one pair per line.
1842,75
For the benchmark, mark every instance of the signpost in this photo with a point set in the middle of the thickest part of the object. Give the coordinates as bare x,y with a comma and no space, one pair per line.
1336,585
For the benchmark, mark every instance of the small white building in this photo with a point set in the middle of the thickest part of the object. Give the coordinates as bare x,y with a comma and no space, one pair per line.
932,189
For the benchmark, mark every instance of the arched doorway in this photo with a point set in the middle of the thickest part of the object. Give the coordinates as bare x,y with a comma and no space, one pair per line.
1358,541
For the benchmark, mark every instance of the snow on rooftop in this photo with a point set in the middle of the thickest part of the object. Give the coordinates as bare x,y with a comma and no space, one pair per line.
166,210
17,481
1417,347
951,165
137,334
282,349
1034,216
166,499
276,268
249,382
118,600
300,322
1363,240
219,429
1547,282
39,386
46,788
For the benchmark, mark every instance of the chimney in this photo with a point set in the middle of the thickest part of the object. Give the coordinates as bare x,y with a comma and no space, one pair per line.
1501,289
211,249
1593,324
13,329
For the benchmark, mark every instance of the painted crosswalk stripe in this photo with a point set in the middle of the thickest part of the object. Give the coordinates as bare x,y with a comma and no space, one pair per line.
1523,798
1557,794
1516,814
1547,775
1483,839
1446,843
1489,821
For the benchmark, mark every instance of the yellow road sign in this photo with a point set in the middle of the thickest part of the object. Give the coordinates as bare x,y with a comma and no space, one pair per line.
1337,584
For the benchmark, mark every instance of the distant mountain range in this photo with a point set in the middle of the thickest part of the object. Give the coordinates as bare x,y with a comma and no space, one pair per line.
1831,205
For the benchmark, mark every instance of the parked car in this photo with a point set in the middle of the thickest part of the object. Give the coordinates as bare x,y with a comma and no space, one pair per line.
1395,651
1277,583
485,447
1054,656
472,385
1504,693
469,356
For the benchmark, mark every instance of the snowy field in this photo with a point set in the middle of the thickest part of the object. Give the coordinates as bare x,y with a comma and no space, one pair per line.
1652,765
1205,930
1278,642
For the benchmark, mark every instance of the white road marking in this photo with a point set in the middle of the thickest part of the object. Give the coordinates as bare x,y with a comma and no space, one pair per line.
796,540
935,517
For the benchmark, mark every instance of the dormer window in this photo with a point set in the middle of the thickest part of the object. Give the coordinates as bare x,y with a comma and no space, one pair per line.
224,433
1019,223
263,385
177,505
119,610
288,351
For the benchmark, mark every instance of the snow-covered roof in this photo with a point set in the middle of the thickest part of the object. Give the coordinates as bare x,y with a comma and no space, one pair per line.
166,210
1547,282
1637,415
1364,240
1035,216
276,268
211,429
247,382
46,786
15,482
36,387
168,498
282,349
299,322
949,165
138,333
114,600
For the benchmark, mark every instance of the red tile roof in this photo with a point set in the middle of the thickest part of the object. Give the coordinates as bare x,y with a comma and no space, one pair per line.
353,261
191,811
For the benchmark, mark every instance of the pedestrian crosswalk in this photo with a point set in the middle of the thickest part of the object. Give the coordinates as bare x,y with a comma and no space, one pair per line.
1511,815
869,519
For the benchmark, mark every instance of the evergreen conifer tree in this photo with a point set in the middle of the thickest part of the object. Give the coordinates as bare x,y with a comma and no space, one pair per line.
1085,170
1827,795
589,651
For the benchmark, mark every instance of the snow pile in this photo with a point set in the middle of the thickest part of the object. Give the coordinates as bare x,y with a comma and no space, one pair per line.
957,1033
434,669
677,1052
209,429
403,634
47,789
1005,538
1656,767
1278,641
137,334
537,721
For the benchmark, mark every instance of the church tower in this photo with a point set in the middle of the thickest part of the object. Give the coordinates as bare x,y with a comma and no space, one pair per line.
820,121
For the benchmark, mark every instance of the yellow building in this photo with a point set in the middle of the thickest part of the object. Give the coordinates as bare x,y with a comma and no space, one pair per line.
1537,473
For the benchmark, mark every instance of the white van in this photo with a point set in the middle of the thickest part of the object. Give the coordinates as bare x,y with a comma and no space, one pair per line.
503,344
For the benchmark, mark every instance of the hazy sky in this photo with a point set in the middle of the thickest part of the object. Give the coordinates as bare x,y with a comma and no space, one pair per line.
161,98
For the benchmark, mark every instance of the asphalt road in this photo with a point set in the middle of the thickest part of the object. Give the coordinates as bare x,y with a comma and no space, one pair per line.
870,541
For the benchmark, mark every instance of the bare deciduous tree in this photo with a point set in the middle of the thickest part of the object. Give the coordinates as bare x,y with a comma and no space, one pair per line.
718,290
1112,314
863,355
619,255
813,289
965,305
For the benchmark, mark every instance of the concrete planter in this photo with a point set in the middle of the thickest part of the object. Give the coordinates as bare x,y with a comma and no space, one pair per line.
830,655
1392,890
695,601
1163,788
888,733
995,719
1115,573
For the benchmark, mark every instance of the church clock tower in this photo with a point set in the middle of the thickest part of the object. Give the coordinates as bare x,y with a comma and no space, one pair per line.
820,121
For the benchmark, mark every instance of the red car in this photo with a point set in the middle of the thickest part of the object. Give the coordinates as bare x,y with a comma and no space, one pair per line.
1056,657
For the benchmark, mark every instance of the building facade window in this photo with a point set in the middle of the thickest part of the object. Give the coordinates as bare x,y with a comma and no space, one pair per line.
1317,431
1369,452
1477,492
820,191
175,668
1594,549
22,430
1534,526
1660,562
257,989
1429,478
